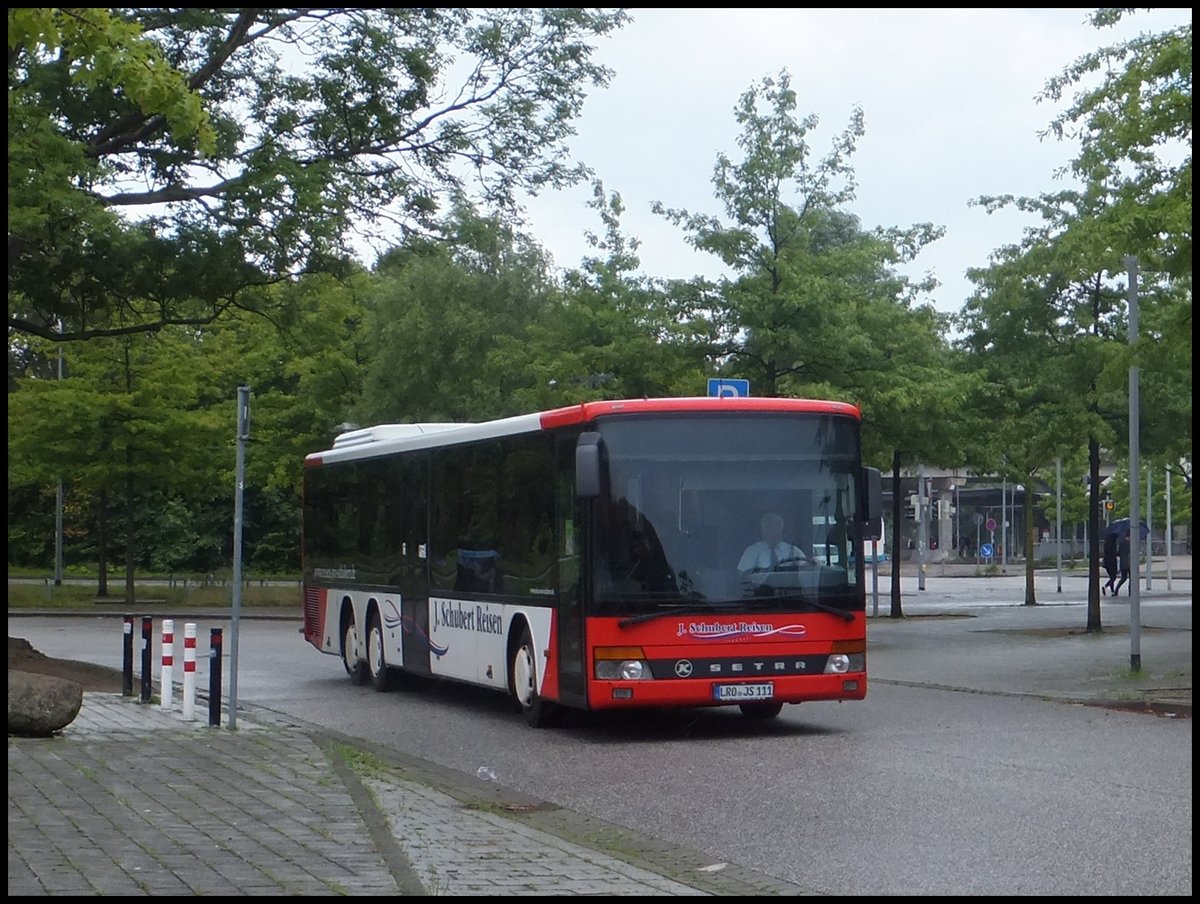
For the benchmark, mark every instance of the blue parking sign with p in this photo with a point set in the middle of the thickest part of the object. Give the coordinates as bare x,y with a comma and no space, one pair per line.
729,389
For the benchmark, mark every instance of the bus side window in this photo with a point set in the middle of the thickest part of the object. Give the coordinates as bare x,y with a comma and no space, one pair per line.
465,516
527,506
478,571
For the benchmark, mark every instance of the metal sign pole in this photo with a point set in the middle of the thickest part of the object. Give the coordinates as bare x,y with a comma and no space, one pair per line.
243,433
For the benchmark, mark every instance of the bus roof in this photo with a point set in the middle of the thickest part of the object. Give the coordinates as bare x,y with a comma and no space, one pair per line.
589,411
383,432
369,442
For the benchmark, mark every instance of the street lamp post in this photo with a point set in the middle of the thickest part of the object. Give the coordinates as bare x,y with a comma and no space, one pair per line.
956,535
957,520
1168,534
1150,535
58,498
1004,525
1135,515
922,535
1058,520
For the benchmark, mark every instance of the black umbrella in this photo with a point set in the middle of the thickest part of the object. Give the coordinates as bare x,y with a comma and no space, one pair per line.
1120,529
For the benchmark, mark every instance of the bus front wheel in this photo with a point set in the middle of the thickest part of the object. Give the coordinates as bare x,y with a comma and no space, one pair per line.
355,667
522,681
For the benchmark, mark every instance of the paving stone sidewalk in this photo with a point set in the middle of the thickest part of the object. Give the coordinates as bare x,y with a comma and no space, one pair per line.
131,799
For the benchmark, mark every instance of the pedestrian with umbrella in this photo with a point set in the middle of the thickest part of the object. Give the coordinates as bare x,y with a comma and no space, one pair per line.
1109,560
1124,566
1116,538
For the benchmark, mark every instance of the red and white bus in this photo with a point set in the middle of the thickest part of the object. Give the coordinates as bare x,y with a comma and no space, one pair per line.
587,557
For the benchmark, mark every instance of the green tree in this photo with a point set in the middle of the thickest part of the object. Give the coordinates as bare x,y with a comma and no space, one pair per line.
1045,325
103,50
67,67
1074,490
815,306
441,321
1062,287
618,333
1134,126
1154,504
912,392
802,265
305,373
1036,409
123,424
325,123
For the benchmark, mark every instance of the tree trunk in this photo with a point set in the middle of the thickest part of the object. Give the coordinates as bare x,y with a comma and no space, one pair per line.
102,544
130,541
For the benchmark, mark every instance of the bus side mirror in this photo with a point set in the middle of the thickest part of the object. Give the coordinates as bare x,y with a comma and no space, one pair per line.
872,515
587,465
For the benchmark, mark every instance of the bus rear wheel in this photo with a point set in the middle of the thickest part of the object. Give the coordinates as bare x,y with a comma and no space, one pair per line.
760,711
522,681
355,667
376,660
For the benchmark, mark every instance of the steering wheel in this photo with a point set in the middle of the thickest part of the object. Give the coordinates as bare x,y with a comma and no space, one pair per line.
793,563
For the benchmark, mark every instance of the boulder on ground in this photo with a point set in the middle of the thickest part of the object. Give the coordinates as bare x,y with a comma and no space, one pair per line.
40,705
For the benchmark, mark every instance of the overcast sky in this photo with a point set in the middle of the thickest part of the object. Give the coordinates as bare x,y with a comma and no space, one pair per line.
949,105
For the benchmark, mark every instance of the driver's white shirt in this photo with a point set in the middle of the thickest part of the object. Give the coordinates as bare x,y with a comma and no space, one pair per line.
758,555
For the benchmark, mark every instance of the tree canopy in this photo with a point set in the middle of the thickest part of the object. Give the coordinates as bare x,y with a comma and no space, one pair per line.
187,187
168,164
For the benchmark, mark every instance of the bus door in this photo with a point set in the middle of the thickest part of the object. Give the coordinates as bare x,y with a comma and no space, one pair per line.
572,536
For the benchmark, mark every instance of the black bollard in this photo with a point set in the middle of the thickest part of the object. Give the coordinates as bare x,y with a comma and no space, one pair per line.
127,658
147,627
214,677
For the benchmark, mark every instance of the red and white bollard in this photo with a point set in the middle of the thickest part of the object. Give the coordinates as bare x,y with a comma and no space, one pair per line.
168,662
189,670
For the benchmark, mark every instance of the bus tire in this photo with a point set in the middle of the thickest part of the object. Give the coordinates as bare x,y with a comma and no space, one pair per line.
760,711
522,682
355,667
376,659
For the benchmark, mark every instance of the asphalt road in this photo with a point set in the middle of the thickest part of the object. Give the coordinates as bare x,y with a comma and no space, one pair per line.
919,789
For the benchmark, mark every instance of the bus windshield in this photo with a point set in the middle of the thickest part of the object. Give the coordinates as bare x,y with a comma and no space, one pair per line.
746,511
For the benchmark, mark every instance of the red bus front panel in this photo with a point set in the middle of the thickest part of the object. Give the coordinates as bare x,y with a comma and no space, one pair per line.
700,660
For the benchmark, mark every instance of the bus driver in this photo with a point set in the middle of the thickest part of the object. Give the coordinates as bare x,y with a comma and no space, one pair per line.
771,551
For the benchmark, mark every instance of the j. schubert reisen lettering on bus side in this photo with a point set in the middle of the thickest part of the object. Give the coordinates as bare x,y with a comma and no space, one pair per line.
452,614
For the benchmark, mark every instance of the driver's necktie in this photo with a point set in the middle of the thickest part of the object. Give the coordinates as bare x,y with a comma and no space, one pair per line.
774,557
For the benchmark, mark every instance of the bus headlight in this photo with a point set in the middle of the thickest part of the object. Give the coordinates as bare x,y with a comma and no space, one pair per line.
622,669
841,663
621,664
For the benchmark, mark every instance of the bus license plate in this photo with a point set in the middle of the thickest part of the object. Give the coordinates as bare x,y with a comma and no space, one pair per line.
764,691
